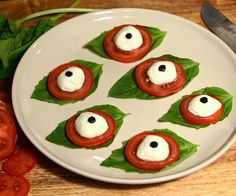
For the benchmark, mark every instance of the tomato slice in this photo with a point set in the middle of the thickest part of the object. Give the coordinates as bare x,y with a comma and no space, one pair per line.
191,118
76,95
127,56
150,88
13,185
133,143
7,134
91,142
20,163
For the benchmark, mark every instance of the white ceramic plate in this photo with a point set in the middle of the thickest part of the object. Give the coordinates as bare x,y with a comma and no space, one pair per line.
65,43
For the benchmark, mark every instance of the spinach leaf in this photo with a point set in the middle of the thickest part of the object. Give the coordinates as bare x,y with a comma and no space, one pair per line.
126,87
58,136
117,158
41,92
14,41
174,115
96,45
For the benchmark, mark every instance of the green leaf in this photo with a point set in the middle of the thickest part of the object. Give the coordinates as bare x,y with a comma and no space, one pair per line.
14,41
59,137
174,115
41,92
96,45
117,158
126,87
157,36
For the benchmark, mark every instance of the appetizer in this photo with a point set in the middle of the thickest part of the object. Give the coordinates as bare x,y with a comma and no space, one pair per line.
151,151
155,78
93,127
201,108
127,43
69,82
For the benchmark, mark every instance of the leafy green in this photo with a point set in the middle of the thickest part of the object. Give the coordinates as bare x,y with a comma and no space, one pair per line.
41,92
96,45
14,41
126,87
58,136
117,158
174,115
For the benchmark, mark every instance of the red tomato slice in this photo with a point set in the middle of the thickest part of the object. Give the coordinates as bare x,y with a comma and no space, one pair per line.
76,95
127,56
7,134
91,142
158,90
13,185
191,118
133,143
20,163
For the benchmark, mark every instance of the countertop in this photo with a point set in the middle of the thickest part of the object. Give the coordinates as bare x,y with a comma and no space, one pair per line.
219,178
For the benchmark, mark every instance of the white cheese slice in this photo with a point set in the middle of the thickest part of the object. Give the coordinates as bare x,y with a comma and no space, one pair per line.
153,148
90,125
71,79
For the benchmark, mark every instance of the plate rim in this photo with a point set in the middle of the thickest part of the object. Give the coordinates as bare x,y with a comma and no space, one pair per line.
177,175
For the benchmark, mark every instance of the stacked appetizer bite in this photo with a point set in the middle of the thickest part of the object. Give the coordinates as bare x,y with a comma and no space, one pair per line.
201,108
69,82
155,78
151,151
127,43
92,128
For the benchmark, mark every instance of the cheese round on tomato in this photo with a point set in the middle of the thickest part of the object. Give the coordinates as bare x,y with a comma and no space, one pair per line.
204,105
90,125
71,79
153,148
128,38
162,72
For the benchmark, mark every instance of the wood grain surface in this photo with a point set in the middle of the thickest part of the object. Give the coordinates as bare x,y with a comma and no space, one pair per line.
219,178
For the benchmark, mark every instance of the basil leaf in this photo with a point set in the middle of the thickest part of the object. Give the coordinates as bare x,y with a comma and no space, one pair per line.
58,136
14,41
174,115
126,87
96,45
41,92
117,158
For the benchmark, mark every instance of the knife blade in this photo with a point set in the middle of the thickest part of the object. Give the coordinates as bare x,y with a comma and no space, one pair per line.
219,25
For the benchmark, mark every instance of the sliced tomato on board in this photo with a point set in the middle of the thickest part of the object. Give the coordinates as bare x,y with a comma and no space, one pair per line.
8,134
133,143
75,95
91,142
20,163
150,88
191,118
127,56
13,185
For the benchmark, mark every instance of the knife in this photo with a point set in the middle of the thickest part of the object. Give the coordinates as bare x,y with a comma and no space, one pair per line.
219,25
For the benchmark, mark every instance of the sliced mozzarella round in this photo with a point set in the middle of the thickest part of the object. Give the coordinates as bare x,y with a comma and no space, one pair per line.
71,79
153,148
89,125
204,105
128,38
162,72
